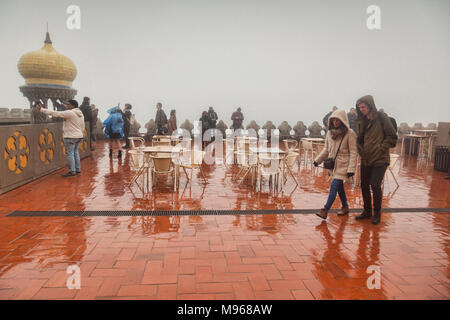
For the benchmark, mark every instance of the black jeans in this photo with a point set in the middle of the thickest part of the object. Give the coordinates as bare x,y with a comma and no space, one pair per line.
126,133
371,177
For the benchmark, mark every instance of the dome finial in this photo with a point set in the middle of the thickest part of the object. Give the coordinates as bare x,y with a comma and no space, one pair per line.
47,36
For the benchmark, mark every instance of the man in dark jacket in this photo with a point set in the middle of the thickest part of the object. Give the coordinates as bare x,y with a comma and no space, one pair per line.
87,113
352,118
94,120
212,118
237,118
375,136
161,119
205,122
126,116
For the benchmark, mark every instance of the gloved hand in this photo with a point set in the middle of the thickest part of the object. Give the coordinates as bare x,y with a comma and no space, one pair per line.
315,164
350,174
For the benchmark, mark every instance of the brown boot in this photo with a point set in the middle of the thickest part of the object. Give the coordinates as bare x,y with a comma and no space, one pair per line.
323,213
344,211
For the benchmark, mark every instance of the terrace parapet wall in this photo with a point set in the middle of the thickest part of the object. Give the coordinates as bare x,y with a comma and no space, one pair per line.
30,151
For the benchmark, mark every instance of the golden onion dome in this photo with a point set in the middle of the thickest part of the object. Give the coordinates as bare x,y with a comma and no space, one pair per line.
47,66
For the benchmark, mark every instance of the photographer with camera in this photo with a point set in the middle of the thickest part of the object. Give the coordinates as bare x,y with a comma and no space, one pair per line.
73,130
340,142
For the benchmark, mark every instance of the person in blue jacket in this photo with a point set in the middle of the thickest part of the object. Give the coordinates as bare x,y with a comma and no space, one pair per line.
114,129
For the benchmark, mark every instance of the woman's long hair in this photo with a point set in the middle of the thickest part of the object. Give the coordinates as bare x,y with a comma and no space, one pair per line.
336,132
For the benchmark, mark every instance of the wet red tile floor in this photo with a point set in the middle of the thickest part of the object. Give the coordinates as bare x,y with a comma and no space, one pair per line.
266,256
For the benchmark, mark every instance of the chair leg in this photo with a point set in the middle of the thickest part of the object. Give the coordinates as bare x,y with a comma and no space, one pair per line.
393,176
237,175
296,183
203,176
245,175
185,172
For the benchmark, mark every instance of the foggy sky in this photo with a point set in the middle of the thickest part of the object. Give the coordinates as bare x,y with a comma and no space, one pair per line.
277,60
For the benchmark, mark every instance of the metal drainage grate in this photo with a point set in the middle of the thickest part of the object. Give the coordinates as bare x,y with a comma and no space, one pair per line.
45,213
119,213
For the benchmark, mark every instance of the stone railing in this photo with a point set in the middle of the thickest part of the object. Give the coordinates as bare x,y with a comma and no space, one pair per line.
15,115
298,131
30,151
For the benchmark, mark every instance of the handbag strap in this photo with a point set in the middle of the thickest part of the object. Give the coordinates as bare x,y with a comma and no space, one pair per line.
334,167
339,147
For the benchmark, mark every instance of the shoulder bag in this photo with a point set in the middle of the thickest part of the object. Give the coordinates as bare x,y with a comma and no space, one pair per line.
329,163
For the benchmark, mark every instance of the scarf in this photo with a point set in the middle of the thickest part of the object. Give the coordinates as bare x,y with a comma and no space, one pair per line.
336,132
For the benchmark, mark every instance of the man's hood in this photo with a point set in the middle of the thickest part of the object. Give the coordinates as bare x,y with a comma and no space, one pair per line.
369,101
78,112
341,115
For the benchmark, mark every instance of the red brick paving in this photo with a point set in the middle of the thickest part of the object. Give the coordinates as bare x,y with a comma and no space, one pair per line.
270,256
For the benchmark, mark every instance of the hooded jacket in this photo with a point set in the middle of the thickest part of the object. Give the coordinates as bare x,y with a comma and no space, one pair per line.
161,118
114,122
87,111
237,118
347,156
73,125
172,124
212,118
375,136
126,116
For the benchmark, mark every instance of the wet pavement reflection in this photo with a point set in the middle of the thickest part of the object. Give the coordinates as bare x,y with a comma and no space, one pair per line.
260,256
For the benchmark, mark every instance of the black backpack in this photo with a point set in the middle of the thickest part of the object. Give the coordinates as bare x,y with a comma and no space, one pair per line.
394,123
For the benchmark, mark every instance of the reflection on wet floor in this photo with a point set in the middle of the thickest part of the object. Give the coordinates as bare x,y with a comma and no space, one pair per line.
270,256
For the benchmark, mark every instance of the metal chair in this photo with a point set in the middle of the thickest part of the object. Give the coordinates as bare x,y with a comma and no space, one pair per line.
307,147
161,141
290,145
140,166
134,140
161,164
290,160
393,160
190,160
245,159
269,166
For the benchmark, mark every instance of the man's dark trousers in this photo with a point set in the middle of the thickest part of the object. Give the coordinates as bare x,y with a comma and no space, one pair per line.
126,133
372,177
